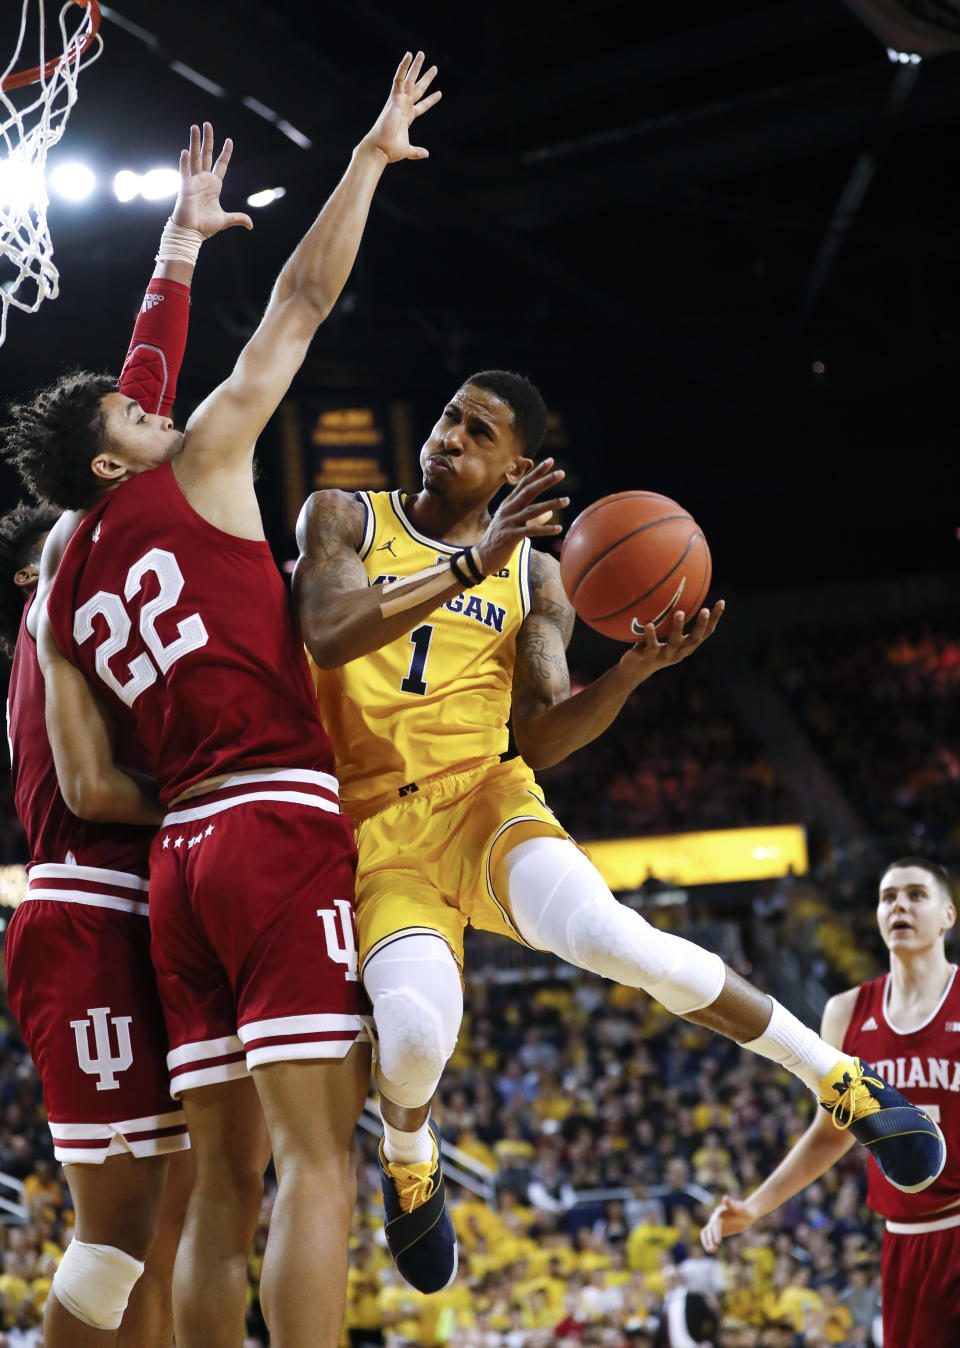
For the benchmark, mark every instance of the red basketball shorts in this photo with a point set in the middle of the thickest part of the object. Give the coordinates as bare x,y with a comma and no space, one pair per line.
81,986
254,940
920,1282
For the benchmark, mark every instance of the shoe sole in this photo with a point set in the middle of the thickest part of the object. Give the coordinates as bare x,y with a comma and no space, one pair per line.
456,1265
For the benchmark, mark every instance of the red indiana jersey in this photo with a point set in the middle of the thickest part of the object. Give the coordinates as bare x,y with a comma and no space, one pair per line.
53,833
924,1064
188,630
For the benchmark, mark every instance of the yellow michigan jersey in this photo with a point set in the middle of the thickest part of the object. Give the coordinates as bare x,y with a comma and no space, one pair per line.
436,700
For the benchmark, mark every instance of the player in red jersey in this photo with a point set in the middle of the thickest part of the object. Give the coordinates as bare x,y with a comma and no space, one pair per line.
80,980
167,599
907,1026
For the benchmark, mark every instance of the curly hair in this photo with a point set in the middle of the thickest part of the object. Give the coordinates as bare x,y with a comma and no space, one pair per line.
523,398
20,531
52,440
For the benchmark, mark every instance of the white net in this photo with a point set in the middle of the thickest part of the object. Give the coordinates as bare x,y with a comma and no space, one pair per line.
28,275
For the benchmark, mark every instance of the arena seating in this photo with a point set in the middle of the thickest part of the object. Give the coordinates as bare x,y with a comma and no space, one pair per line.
608,1129
678,760
881,709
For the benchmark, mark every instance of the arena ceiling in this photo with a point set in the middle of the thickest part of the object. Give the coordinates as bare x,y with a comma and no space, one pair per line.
724,240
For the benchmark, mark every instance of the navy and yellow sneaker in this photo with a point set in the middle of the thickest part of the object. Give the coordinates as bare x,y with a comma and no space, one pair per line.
419,1232
905,1142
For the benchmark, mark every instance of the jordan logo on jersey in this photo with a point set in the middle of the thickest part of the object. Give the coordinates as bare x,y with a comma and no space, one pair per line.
105,1064
387,547
869,1024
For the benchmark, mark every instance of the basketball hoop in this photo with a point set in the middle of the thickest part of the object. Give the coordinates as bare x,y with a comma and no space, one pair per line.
26,135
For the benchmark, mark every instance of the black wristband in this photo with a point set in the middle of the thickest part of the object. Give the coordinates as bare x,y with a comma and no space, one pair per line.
472,567
461,576
464,568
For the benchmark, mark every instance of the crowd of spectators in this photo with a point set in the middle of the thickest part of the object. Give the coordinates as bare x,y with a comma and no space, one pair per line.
609,1129
605,1130
677,760
882,710
29,1250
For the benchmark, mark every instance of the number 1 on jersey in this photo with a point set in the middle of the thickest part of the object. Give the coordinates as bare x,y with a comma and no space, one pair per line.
413,681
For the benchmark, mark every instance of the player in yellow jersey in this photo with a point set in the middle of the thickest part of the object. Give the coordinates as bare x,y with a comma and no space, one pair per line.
432,625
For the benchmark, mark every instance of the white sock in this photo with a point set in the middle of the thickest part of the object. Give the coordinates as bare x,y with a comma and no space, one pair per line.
790,1043
407,1148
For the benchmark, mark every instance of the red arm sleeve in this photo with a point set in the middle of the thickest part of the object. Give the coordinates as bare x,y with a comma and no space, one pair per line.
153,361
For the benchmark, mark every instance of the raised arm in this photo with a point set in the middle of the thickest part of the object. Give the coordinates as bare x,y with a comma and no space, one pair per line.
821,1146
342,616
549,724
90,782
222,432
159,338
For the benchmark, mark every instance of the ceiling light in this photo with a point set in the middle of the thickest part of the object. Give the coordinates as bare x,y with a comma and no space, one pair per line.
266,196
160,183
73,181
21,183
126,185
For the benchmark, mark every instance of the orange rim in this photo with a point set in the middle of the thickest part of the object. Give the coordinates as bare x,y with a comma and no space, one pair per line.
32,76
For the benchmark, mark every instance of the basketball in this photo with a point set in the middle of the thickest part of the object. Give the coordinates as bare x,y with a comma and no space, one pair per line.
632,559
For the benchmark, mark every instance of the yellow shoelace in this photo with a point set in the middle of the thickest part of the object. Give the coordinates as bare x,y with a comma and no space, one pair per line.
846,1100
414,1183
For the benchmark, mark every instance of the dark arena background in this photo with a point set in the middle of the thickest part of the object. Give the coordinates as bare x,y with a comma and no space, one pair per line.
723,240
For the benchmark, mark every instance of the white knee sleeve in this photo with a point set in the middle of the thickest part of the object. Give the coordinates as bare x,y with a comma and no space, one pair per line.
414,985
94,1282
560,902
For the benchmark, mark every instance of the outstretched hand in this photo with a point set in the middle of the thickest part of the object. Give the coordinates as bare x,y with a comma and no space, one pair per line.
729,1218
198,202
651,654
522,515
408,100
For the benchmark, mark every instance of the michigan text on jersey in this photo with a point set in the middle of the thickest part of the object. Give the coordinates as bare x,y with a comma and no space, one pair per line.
485,613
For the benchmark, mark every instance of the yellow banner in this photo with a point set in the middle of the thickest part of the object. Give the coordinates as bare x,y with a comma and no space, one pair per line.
702,858
678,858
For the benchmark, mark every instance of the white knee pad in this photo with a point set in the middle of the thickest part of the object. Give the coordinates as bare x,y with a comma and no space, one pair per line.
94,1282
414,985
560,902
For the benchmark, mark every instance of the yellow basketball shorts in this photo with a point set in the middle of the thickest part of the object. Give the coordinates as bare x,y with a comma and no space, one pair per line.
429,862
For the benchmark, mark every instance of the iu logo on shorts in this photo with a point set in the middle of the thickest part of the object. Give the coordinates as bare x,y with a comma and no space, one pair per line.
105,1064
344,952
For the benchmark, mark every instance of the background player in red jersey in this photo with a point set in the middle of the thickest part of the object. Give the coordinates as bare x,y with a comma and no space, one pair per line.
23,532
80,979
907,1026
168,600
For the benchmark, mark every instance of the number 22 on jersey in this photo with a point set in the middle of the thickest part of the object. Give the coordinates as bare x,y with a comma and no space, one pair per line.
142,669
